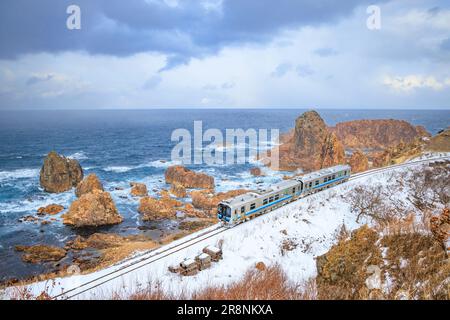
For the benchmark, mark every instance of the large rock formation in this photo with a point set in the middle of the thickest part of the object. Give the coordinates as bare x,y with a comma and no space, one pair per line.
358,161
59,174
188,178
91,210
377,134
89,184
312,146
158,209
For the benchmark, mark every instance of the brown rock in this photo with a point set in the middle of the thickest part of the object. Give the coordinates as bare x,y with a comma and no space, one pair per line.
188,178
208,200
78,243
359,162
28,219
440,142
398,154
92,209
50,209
261,266
89,184
60,174
178,190
377,134
41,253
332,152
190,211
311,147
157,209
97,241
138,189
257,172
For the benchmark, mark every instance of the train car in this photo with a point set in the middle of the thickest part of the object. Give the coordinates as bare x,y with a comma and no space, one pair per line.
249,205
325,178
252,204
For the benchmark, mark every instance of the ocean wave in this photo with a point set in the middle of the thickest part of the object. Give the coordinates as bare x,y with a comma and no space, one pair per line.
118,169
161,164
19,174
80,155
27,206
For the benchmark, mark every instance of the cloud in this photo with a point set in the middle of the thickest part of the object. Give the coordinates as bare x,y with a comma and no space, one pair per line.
325,52
36,78
153,82
180,29
281,70
411,82
445,45
304,71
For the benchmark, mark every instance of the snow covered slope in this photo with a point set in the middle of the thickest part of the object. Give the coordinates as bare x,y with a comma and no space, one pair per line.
310,224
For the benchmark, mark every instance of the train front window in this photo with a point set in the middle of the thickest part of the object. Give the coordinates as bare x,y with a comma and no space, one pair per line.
224,210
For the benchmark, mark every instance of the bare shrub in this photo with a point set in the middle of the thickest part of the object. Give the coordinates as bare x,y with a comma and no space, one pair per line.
429,186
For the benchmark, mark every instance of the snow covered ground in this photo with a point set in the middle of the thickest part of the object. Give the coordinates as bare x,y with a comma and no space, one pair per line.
311,223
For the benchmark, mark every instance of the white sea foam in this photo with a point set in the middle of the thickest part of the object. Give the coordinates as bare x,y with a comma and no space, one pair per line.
161,164
18,174
119,169
80,155
25,205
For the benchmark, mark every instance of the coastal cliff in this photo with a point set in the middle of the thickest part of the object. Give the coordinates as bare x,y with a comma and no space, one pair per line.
312,146
377,134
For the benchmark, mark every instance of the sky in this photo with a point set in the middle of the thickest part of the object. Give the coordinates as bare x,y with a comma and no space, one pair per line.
140,54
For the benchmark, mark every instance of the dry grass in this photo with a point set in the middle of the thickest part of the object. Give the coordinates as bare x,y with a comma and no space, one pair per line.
268,284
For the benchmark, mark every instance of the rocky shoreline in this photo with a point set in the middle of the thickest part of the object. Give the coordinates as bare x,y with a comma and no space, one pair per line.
190,197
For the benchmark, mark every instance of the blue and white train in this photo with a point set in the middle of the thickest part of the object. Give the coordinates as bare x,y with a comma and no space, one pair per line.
249,205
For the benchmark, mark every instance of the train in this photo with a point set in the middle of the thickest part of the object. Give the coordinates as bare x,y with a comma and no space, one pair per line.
249,205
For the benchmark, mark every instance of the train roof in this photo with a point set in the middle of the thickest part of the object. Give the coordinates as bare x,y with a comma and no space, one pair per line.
325,172
247,197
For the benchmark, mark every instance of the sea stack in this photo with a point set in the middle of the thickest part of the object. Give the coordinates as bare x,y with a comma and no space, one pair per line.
60,174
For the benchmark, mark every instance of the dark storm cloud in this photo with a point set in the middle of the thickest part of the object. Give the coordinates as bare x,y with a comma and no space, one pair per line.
123,28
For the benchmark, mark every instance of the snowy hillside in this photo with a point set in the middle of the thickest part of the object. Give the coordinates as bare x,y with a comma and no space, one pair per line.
292,236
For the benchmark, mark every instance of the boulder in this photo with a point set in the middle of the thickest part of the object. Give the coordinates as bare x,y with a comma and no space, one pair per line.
138,189
89,184
50,209
260,266
257,172
188,178
60,174
178,190
96,241
208,200
91,210
358,161
41,253
158,209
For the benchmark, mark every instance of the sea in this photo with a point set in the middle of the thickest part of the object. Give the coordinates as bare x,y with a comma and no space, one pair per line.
123,146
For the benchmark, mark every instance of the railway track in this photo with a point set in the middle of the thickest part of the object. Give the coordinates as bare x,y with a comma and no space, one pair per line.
138,261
